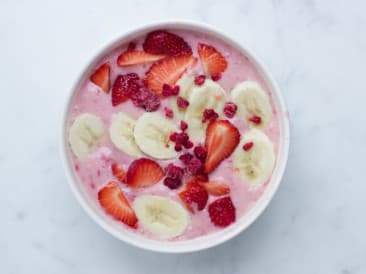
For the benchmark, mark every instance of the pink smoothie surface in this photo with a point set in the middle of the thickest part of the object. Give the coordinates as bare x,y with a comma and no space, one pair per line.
95,171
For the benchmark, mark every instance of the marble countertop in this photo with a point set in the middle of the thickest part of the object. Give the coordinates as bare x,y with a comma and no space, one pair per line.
316,222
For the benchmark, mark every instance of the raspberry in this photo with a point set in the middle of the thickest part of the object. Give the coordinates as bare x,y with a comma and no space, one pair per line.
216,76
146,99
182,103
183,125
188,145
169,90
209,115
199,80
168,112
230,109
185,158
222,212
194,166
174,171
182,138
131,46
172,183
178,147
200,152
248,146
152,103
173,136
255,119
175,90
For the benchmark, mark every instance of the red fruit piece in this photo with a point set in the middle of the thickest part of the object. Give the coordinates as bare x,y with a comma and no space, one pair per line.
216,76
216,188
163,42
199,80
185,158
183,125
168,112
194,166
200,152
146,99
212,60
222,212
144,173
170,91
248,146
124,86
194,196
230,109
202,177
172,183
101,77
114,202
209,115
188,144
167,71
182,103
119,172
222,137
255,119
132,58
174,171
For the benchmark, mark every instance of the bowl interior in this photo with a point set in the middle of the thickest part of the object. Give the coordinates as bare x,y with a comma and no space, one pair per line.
204,241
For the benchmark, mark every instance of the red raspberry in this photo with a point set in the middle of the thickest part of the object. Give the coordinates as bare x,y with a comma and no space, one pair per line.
199,80
131,46
168,112
248,146
182,138
200,152
182,103
216,76
255,119
178,147
175,90
146,99
174,171
188,145
222,212
209,115
230,109
183,125
172,183
173,136
194,166
185,158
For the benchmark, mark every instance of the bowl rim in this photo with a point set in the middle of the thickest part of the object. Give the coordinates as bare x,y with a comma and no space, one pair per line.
206,241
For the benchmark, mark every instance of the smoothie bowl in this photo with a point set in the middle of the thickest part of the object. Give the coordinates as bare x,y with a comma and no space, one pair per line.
175,138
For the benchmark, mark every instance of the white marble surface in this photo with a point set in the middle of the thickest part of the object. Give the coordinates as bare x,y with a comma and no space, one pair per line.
316,222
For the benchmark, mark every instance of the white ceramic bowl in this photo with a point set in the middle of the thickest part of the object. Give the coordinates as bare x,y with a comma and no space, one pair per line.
201,242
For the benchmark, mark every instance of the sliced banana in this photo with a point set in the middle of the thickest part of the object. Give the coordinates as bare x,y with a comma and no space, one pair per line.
152,131
256,164
208,96
121,133
85,133
161,216
252,100
186,84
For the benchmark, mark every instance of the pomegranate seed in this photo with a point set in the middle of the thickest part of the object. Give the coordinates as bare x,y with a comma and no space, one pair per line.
248,146
183,125
230,109
209,114
178,147
255,119
185,158
188,145
168,112
182,103
200,152
199,80
216,76
172,183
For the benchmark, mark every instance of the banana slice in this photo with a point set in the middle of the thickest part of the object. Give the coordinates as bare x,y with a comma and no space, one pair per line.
161,216
121,133
256,164
152,131
186,84
85,133
208,96
252,100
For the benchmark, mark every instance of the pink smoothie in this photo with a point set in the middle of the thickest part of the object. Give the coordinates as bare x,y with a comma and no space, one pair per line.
94,172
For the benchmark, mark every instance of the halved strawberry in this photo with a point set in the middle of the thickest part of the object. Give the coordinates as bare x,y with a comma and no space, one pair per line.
194,196
101,77
114,202
167,71
222,137
131,58
212,60
143,173
216,188
163,42
119,172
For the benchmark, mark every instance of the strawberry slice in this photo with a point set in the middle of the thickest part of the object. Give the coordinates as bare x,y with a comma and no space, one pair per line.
114,202
216,188
194,196
163,42
213,61
119,172
222,212
222,137
132,58
124,86
144,173
167,71
101,77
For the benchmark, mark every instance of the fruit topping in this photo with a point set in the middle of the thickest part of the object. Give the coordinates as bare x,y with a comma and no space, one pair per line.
144,173
194,196
101,77
222,212
230,109
212,60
